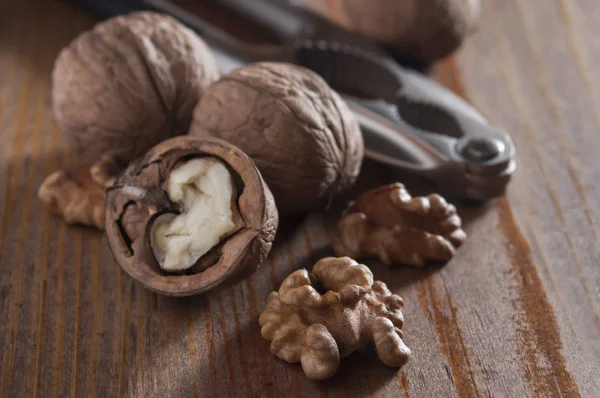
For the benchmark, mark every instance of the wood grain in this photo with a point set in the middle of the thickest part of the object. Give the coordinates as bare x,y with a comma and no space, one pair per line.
516,313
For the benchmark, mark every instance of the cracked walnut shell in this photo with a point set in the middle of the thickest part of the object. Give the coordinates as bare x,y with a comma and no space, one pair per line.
303,137
129,83
397,228
190,215
317,329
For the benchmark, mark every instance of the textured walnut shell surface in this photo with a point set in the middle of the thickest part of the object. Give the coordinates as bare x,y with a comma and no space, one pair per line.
417,30
137,199
301,134
130,83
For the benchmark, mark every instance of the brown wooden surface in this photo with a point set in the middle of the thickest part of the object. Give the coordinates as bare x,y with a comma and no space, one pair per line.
515,314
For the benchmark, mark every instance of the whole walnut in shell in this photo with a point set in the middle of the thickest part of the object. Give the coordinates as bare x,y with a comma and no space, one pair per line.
129,83
318,328
190,215
301,134
417,30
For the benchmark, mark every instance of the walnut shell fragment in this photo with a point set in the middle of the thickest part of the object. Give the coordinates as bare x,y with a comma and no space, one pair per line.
303,137
179,192
77,194
397,228
129,83
317,329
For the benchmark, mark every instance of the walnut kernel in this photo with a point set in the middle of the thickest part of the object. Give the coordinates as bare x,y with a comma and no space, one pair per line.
397,228
317,329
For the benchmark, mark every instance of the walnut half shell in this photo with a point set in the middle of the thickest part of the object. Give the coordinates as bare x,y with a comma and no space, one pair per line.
190,215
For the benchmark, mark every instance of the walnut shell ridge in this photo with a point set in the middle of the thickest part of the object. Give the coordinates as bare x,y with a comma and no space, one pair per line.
303,137
129,83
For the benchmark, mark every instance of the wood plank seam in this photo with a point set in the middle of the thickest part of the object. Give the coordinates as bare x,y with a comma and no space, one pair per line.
75,358
45,258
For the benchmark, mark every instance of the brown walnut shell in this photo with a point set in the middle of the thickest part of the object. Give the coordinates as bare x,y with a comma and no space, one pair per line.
303,137
417,30
129,83
138,198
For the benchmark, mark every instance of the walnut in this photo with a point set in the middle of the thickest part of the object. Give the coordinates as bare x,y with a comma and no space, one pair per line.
78,193
317,329
190,215
301,134
129,83
388,223
417,30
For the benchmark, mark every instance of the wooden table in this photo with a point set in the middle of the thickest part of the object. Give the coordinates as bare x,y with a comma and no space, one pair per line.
515,314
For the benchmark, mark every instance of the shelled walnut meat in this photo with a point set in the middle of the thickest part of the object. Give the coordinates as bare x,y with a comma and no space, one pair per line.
190,215
388,223
78,193
319,318
301,134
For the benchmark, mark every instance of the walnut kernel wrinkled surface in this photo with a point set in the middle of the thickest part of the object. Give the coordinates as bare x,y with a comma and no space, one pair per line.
78,194
317,329
397,228
206,194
